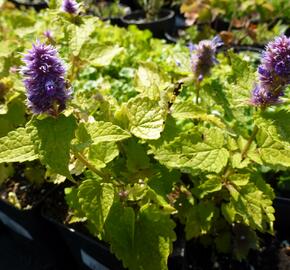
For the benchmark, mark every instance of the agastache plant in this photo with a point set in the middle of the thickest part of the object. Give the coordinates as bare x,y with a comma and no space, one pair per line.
153,161
274,73
203,58
69,6
44,72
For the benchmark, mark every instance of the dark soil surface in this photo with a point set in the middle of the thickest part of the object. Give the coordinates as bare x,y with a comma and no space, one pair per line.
28,195
56,208
274,255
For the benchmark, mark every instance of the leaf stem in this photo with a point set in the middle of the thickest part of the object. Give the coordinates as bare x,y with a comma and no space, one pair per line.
249,142
90,166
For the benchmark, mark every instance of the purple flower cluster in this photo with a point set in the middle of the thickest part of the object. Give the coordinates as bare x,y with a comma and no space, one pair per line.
203,56
274,73
44,80
70,6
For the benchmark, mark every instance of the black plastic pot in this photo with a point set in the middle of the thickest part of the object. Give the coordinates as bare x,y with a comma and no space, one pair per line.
133,4
25,223
30,4
220,25
92,254
282,217
159,27
256,48
27,227
88,252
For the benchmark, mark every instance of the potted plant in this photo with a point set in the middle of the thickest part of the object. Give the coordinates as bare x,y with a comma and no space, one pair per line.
180,158
108,10
35,4
120,197
159,21
235,23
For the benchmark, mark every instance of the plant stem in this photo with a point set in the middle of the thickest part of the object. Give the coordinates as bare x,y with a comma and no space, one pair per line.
90,166
228,172
249,143
197,92
73,181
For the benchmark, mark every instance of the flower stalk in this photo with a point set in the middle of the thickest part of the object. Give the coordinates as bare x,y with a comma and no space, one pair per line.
90,166
249,142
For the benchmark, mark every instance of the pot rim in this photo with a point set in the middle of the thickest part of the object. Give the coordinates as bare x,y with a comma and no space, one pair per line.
282,199
68,229
170,15
41,4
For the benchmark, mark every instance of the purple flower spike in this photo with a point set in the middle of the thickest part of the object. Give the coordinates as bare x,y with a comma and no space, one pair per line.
276,58
274,73
203,56
70,6
44,80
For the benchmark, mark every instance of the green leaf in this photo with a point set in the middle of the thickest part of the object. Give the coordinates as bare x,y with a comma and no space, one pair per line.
155,245
209,155
119,231
161,201
96,200
102,153
252,154
148,81
14,117
143,243
273,137
210,185
199,219
137,158
106,55
161,185
100,55
81,34
251,205
163,180
53,141
272,151
18,146
239,179
99,132
215,89
228,212
188,110
277,124
242,81
244,239
74,205
223,242
146,118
